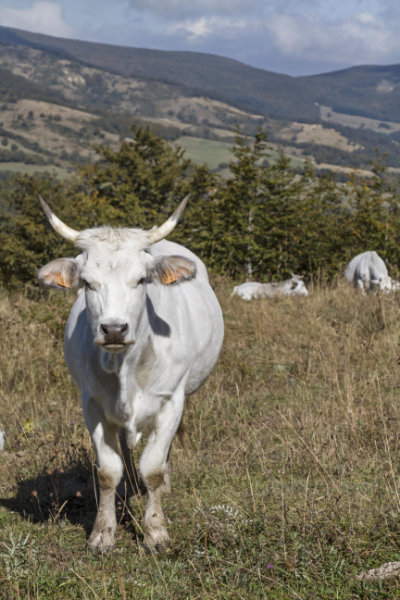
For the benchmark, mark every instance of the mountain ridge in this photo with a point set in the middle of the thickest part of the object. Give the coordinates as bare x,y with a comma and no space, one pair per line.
229,78
251,87
335,119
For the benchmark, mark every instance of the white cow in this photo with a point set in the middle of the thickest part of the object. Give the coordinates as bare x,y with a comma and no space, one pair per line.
367,271
252,289
1,439
144,335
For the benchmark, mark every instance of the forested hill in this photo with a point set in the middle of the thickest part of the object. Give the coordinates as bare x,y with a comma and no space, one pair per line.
221,78
59,97
370,91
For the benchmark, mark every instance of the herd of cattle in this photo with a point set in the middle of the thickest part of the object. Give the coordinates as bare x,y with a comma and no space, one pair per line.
366,271
143,335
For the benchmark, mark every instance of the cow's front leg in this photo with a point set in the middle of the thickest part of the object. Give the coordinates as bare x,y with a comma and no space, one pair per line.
155,470
109,471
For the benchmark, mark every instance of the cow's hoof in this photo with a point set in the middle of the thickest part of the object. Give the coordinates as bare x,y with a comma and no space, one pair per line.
101,541
157,542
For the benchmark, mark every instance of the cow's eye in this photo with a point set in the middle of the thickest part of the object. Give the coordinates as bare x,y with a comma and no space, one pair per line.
88,286
134,283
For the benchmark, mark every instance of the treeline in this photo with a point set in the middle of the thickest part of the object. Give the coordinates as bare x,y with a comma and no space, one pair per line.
263,221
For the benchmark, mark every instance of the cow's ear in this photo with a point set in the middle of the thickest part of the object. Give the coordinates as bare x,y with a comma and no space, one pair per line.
171,269
60,273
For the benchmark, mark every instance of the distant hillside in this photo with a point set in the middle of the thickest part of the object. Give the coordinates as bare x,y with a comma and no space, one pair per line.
54,109
59,97
371,91
368,91
225,79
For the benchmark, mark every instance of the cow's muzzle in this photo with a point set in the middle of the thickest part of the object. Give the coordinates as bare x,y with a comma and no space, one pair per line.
114,337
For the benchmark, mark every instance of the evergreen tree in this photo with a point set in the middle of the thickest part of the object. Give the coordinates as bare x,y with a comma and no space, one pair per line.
26,239
138,185
375,213
240,208
262,222
142,181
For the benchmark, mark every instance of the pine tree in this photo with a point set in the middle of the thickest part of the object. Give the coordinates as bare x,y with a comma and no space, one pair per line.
239,208
142,181
138,185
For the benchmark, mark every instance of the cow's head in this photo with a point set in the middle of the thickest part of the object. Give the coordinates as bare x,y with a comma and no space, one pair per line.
114,268
295,286
383,283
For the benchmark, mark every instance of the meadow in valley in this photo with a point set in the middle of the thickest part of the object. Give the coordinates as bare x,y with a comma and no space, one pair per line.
287,486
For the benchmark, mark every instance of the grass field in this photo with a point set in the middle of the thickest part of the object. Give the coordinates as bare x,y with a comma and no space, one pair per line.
214,153
209,152
23,169
289,488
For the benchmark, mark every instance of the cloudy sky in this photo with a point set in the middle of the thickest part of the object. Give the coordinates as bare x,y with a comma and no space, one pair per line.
296,37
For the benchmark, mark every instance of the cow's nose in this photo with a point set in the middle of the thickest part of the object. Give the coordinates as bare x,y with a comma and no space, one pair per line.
114,332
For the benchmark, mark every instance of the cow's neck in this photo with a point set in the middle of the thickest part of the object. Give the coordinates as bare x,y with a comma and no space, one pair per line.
111,363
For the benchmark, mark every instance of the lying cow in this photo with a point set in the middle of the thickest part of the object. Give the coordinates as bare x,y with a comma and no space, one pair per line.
367,271
143,335
252,289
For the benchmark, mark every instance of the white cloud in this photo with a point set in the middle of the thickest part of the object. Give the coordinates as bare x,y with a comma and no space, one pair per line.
290,36
43,17
178,9
363,38
203,27
192,29
370,35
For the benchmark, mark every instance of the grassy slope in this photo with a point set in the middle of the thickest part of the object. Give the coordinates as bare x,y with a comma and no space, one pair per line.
209,152
181,103
367,90
258,90
213,153
289,488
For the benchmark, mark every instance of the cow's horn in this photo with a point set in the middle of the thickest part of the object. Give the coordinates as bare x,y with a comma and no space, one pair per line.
66,232
159,233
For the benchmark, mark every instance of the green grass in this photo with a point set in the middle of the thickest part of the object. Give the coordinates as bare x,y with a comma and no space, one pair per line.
202,151
14,168
213,153
24,169
288,490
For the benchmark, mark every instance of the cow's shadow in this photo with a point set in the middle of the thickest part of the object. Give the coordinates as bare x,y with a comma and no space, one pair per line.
70,494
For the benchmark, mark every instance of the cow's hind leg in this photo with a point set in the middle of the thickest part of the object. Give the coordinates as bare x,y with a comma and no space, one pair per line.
155,470
109,471
130,485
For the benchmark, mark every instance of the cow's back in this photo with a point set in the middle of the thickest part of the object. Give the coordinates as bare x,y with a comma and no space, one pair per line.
248,290
365,266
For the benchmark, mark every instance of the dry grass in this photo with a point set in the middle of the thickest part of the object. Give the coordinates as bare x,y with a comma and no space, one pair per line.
290,487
